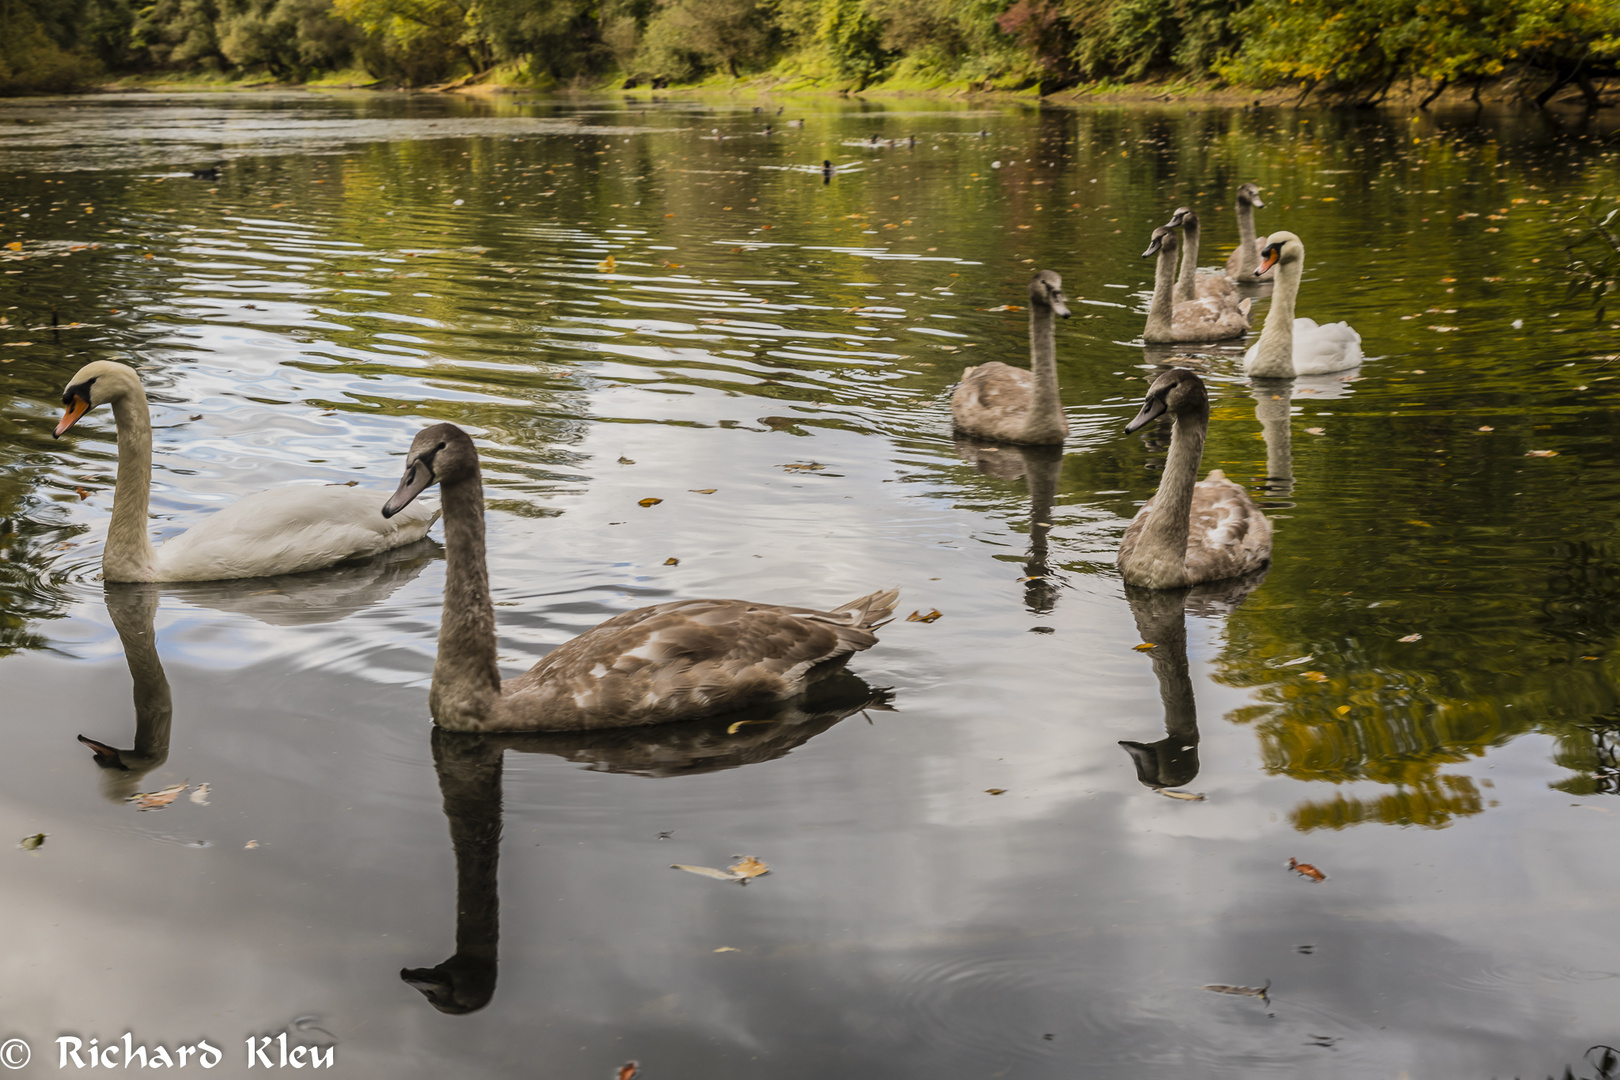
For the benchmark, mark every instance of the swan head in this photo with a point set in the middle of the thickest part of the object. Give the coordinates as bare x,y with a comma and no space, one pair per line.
1184,215
95,384
1046,289
1178,392
1164,241
1250,194
441,454
1280,247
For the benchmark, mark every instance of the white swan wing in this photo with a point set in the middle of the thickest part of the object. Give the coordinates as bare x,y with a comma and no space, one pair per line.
689,658
288,530
1320,349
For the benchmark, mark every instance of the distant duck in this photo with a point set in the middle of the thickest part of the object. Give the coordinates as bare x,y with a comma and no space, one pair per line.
673,661
285,530
795,123
1013,404
1241,263
1190,284
1290,346
827,170
1190,532
1170,322
210,173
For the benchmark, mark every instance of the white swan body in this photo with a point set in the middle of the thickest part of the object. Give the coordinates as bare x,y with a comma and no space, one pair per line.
1190,284
285,530
1291,346
1204,319
1017,405
675,661
1189,532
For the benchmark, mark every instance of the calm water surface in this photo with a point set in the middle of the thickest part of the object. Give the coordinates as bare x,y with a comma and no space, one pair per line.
1421,698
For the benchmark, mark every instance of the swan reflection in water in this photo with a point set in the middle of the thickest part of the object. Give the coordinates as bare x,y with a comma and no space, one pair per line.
1161,618
294,600
470,769
1040,466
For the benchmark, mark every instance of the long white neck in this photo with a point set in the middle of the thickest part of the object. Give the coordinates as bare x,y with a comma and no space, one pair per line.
1163,305
1274,353
1164,536
1187,277
1046,421
466,681
1250,258
129,555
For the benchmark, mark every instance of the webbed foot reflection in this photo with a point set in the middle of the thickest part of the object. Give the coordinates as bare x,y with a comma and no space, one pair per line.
470,769
1161,619
1040,466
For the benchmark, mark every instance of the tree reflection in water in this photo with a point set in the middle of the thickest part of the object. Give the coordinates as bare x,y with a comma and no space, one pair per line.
470,771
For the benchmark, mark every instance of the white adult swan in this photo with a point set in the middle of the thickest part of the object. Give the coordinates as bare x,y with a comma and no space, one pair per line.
1241,263
1289,346
1190,284
675,661
1017,405
1191,320
1190,532
286,530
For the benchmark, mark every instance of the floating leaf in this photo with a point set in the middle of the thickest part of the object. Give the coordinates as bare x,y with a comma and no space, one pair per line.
32,843
1144,647
200,796
672,561
199,416
742,871
703,491
1260,992
250,845
1184,796
995,791
628,1070
83,494
805,466
1305,869
157,800
749,867
626,461
1314,431
1541,453
607,265
1487,427
1315,676
1006,307
1412,637
917,616
15,245
1343,710
728,948
649,502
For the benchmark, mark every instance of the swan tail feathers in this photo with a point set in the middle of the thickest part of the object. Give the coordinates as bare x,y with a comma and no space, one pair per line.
872,610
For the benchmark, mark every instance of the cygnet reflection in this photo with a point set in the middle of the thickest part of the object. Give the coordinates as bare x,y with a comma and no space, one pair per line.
1040,466
470,773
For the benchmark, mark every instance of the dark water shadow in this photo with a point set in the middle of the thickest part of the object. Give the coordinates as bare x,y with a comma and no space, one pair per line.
1040,466
470,768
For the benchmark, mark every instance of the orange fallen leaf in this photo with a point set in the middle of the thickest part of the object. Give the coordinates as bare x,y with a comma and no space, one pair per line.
157,800
1541,453
742,872
1305,869
627,1071
1412,637
1315,676
83,494
15,245
995,791
672,561
1487,427
917,616
649,502
607,265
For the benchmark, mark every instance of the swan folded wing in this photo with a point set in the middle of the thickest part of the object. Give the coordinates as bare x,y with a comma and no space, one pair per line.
1228,535
689,658
1208,319
288,530
1329,347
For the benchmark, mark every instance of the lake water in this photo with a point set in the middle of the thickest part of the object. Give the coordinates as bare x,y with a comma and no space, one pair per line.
1422,699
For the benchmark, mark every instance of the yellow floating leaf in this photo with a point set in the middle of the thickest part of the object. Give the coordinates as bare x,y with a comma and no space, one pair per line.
1541,453
626,461
649,502
1184,796
1412,637
607,265
672,561
917,616
15,245
703,491
32,843
728,948
250,845
749,867
1343,710
995,791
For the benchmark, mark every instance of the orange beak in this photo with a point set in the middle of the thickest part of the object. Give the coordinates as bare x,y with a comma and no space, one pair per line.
1269,260
76,408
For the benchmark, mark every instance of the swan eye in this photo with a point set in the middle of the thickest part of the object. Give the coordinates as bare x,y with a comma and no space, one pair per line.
441,446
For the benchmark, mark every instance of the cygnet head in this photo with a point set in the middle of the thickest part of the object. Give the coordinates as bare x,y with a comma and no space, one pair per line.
1280,247
98,383
1184,215
1164,239
1250,193
1046,288
441,454
1178,392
